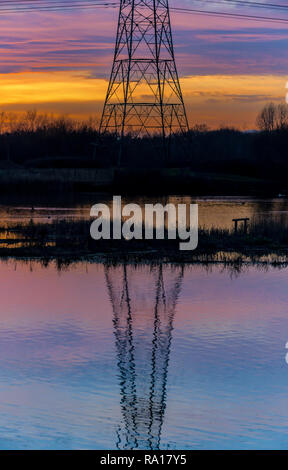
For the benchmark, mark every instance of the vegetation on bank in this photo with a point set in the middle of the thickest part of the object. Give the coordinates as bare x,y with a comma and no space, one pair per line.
51,182
45,141
46,153
71,239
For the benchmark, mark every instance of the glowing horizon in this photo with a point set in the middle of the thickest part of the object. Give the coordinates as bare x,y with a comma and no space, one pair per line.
79,96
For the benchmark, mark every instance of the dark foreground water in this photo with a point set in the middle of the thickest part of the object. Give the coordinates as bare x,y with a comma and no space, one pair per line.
124,357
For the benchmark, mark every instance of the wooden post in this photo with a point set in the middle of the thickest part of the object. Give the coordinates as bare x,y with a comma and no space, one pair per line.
245,220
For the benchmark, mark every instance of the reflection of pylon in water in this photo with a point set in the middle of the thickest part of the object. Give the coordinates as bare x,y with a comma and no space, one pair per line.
143,301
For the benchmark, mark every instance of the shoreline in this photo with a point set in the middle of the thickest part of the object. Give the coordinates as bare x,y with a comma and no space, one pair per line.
42,181
263,240
227,258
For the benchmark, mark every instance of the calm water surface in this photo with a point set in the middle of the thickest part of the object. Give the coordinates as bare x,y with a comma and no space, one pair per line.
139,357
213,211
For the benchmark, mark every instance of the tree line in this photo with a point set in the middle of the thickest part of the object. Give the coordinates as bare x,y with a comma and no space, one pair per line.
41,140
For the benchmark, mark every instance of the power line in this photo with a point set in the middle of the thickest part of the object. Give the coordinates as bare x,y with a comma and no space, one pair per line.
37,2
229,15
63,3
246,3
267,6
16,4
59,5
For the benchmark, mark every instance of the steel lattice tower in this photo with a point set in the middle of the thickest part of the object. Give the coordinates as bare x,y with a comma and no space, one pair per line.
144,94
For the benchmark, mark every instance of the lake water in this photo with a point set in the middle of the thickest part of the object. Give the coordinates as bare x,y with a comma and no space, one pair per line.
105,357
213,211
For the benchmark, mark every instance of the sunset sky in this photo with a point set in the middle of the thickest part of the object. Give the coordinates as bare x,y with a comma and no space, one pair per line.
59,61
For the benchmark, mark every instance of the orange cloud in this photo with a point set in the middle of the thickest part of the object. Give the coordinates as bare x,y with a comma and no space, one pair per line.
214,99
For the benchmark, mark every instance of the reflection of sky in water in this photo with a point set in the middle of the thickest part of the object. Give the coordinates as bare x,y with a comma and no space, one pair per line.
226,383
213,211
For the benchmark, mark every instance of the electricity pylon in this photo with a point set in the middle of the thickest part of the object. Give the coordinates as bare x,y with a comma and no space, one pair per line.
144,96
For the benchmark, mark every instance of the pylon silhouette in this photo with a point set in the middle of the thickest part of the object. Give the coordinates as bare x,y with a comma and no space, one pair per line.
144,94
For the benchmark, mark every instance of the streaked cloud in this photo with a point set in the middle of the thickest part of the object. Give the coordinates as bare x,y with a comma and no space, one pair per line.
60,61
